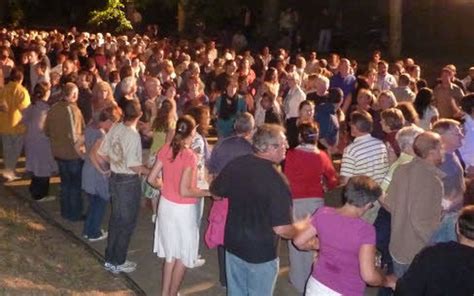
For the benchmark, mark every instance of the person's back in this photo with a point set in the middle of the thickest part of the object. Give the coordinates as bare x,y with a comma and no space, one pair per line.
442,269
340,240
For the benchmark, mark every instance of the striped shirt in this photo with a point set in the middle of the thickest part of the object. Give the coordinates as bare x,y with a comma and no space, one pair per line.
365,156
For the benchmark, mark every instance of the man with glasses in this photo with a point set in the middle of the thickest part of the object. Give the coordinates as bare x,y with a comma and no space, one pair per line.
259,213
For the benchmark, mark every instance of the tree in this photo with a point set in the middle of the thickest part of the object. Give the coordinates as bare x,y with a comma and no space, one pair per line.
112,12
395,28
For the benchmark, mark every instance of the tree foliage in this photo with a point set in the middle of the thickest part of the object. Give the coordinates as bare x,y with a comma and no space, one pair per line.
112,12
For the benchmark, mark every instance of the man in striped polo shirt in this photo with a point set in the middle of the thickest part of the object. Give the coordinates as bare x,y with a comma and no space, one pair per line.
365,156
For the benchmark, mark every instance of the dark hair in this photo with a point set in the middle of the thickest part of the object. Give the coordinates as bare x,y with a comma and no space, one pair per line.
112,113
363,121
467,103
422,101
162,121
132,110
409,112
184,128
269,73
39,91
421,84
361,190
466,222
308,133
126,71
335,95
16,74
198,113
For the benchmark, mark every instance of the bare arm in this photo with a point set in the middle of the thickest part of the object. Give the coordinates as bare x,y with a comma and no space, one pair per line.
347,103
368,271
186,187
306,239
154,177
95,158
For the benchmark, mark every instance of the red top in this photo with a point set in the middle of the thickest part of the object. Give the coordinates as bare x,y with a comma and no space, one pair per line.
306,171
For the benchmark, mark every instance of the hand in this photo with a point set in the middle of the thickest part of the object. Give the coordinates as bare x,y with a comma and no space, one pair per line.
390,281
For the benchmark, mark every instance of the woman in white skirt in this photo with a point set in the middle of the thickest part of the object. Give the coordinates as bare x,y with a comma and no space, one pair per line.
177,227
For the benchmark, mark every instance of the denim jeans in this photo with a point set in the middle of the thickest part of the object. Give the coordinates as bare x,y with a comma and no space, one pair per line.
95,215
125,191
399,269
252,279
447,229
70,172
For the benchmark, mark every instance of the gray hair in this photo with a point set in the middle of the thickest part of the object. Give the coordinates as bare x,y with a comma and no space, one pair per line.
406,136
244,123
127,84
361,190
266,136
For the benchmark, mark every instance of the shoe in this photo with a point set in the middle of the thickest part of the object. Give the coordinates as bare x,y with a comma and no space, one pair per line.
10,176
127,267
153,218
47,198
199,262
103,236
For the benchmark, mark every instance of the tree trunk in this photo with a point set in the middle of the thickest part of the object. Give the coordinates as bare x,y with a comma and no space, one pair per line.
270,18
395,28
3,11
181,16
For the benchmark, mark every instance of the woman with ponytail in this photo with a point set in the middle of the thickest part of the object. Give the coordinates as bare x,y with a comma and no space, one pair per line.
39,158
177,227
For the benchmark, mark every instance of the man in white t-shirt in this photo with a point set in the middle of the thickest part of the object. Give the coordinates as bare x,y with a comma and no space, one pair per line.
122,149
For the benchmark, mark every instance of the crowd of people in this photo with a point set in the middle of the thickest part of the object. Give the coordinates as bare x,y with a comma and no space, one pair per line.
123,119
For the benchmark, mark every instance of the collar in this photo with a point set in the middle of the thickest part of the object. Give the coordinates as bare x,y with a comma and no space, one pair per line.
436,171
362,138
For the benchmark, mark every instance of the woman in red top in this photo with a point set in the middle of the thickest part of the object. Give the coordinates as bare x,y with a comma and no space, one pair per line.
310,172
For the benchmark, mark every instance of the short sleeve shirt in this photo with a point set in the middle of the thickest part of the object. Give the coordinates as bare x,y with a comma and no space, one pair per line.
259,199
123,147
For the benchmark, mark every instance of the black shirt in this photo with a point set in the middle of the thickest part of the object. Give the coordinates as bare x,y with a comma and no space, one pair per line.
443,269
259,199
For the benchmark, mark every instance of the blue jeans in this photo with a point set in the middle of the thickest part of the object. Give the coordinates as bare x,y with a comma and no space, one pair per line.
399,269
447,229
94,217
125,191
250,279
70,172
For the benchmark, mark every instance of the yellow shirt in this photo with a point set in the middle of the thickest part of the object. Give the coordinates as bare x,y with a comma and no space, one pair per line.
16,98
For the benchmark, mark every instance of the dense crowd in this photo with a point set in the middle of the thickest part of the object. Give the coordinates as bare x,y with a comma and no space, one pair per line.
124,119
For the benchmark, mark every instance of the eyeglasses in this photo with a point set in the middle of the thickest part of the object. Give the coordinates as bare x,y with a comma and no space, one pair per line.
282,144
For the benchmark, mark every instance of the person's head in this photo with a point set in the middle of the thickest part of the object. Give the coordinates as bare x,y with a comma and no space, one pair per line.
335,96
404,80
128,85
362,192
446,75
267,100
16,75
184,134
465,224
293,80
423,100
132,111
308,133
169,89
153,87
365,99
84,79
102,91
386,100
428,146
382,67
361,123
109,116
409,113
344,67
269,141
306,111
230,67
71,92
376,56
202,117
321,84
467,104
41,92
392,120
450,132
271,75
244,124
405,138
231,87
69,67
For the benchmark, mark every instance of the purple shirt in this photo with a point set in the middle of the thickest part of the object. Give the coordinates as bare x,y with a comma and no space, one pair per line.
347,84
340,240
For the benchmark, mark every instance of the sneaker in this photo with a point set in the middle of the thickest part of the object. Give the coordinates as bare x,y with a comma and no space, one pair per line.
10,176
153,218
103,236
199,262
127,266
47,198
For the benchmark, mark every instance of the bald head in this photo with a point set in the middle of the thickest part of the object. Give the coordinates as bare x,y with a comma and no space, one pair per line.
425,143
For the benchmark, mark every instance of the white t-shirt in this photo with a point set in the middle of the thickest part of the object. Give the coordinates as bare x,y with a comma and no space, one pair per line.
425,122
467,149
123,147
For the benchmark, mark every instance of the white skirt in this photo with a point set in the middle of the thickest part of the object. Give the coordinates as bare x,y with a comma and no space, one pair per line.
177,232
